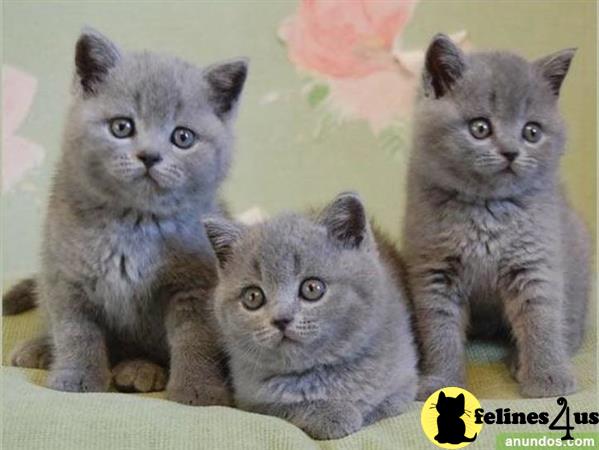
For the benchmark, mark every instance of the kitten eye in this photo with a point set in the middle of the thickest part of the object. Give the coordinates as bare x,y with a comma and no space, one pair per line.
480,128
122,128
532,132
253,298
183,137
312,289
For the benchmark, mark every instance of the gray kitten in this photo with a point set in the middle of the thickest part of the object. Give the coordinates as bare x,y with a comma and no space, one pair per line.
491,245
127,270
314,318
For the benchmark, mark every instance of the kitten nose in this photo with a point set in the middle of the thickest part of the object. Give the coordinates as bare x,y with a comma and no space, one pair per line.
510,155
149,159
282,323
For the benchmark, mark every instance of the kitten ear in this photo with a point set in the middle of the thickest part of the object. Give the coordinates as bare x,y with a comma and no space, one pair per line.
444,65
95,55
554,67
345,219
222,234
461,399
441,396
226,82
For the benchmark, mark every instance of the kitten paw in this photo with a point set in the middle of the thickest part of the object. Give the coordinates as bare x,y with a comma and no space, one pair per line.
431,383
334,423
73,380
200,395
32,354
138,375
549,383
392,406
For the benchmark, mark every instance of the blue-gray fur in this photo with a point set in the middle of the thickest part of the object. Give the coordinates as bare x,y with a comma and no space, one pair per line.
491,245
343,361
127,271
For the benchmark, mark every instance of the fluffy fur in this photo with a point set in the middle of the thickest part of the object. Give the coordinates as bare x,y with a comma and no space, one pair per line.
338,363
491,245
127,270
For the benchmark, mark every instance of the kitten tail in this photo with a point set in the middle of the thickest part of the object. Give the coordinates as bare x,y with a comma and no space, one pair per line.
20,298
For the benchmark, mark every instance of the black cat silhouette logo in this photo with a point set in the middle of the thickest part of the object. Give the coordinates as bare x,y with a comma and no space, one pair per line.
450,426
447,418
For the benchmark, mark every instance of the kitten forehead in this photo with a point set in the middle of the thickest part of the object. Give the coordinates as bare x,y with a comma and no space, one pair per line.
499,83
283,244
286,249
159,87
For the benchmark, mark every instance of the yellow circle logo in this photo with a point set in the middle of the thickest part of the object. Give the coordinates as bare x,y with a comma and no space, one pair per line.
447,418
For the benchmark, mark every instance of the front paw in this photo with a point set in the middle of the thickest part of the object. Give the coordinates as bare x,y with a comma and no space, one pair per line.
199,394
334,423
76,380
552,382
429,384
138,375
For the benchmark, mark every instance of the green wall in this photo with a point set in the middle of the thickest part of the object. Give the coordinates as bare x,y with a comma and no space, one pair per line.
289,155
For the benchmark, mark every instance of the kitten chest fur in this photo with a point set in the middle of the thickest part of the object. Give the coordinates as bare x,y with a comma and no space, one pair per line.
480,243
127,263
116,258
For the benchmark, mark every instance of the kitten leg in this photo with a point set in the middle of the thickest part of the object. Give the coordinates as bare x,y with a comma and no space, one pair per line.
196,364
35,353
533,309
512,360
138,375
439,309
320,419
577,278
80,357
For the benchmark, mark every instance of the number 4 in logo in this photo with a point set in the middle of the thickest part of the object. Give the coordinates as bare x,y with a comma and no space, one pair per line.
565,409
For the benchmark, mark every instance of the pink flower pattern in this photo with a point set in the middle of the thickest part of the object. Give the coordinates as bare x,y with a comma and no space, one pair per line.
345,38
354,46
19,155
